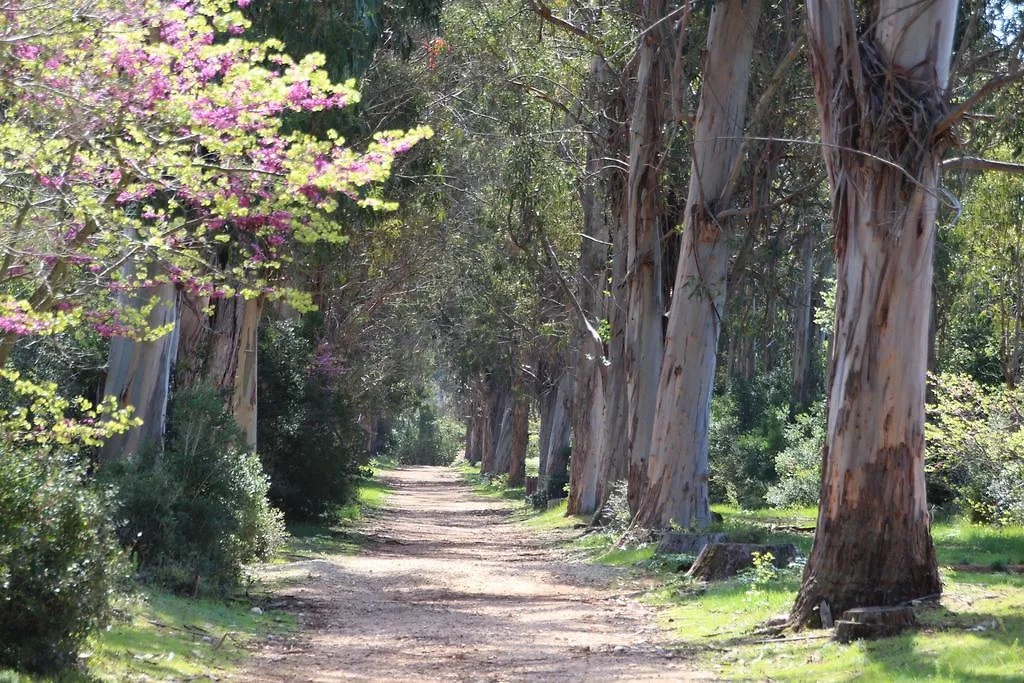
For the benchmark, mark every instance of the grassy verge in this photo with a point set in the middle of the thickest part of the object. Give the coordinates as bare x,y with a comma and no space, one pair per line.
165,637
975,633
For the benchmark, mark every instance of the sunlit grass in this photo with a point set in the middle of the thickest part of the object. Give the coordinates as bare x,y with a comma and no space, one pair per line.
168,637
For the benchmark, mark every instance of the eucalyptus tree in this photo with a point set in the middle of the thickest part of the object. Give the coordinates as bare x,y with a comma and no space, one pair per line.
880,72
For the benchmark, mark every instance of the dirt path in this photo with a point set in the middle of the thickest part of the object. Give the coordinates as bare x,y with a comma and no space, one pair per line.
452,591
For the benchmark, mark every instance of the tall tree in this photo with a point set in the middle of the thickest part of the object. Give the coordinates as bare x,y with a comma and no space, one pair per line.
880,79
677,468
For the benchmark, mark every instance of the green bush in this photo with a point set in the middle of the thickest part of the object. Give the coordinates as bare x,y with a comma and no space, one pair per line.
311,443
59,560
974,461
746,431
421,437
195,514
799,464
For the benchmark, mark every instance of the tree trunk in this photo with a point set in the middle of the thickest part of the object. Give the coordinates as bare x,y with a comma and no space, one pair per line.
677,471
520,439
138,375
193,340
555,447
588,428
645,303
803,337
503,435
232,361
880,94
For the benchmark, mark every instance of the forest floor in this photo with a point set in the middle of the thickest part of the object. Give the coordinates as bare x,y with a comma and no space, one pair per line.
449,587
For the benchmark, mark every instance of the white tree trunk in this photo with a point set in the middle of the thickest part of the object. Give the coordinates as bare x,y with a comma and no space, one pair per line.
645,305
677,468
873,545
138,375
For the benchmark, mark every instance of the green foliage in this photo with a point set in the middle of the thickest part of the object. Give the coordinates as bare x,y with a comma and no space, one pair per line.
974,455
59,561
309,438
422,436
198,512
747,431
798,465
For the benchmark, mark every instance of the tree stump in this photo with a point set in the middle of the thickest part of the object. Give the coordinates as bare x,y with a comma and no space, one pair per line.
554,502
676,543
719,561
869,623
531,485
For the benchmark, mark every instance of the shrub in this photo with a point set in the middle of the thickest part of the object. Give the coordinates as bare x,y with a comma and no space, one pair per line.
59,561
799,464
745,434
197,513
421,437
311,443
975,442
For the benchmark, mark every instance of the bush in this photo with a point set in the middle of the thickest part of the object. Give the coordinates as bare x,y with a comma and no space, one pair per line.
799,464
421,437
197,513
747,430
974,459
309,437
59,561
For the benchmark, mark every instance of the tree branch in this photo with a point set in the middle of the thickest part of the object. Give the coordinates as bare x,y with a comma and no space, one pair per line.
979,164
995,83
545,13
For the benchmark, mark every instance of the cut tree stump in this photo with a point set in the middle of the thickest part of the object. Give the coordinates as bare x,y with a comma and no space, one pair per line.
719,561
868,623
676,543
554,502
531,485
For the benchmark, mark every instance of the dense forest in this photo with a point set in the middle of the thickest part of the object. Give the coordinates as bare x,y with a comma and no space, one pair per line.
670,254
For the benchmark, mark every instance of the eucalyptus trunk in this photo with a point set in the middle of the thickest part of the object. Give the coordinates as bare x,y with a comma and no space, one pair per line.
880,87
232,361
588,469
520,429
677,468
138,375
645,302
556,419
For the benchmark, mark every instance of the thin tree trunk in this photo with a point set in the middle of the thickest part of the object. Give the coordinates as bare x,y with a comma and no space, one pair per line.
873,545
802,330
556,455
677,470
645,303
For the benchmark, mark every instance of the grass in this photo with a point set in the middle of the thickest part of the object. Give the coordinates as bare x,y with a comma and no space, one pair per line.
164,637
492,487
976,633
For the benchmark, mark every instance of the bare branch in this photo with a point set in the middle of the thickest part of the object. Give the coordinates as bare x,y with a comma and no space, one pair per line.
979,164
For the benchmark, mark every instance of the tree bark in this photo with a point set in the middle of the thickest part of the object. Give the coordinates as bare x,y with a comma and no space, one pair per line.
556,424
677,469
803,331
880,94
645,303
138,375
520,438
233,359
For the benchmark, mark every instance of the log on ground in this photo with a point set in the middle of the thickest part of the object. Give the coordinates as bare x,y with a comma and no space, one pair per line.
719,561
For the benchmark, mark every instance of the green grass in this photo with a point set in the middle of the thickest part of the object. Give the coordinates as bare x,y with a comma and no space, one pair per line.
165,637
492,487
976,633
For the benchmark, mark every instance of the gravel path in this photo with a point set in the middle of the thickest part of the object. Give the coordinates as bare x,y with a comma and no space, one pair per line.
450,590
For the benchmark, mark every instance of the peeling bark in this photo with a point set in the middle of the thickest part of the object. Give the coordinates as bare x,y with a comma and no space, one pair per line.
138,375
677,468
881,95
645,303
233,359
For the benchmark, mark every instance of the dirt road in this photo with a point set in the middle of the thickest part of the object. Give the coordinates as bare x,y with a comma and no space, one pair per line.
451,590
